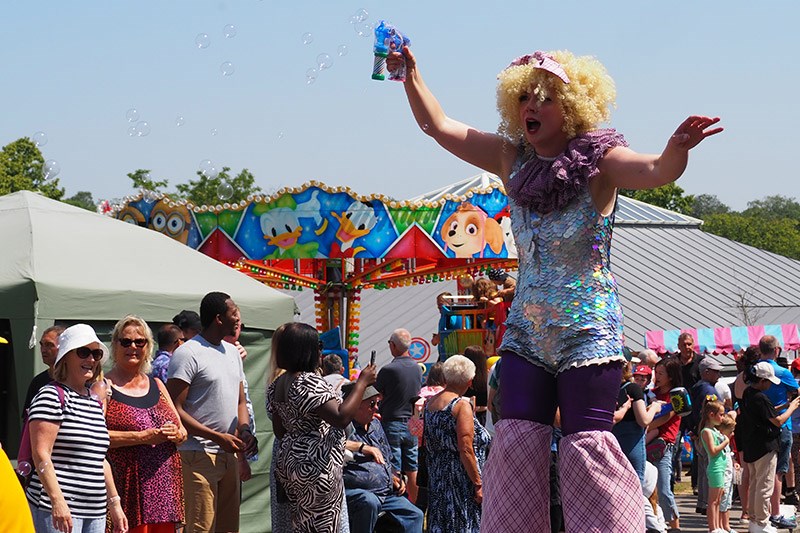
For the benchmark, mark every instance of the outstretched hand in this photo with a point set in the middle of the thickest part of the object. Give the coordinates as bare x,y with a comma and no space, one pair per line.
693,130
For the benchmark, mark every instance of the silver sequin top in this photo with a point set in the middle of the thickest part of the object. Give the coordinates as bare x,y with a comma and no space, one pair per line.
566,312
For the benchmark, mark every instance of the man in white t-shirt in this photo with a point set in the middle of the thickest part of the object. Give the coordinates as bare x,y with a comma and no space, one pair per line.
205,378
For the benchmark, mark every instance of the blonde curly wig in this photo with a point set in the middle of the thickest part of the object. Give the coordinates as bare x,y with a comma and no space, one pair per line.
586,99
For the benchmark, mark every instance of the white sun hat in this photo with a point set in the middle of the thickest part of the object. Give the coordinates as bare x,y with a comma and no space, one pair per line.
77,336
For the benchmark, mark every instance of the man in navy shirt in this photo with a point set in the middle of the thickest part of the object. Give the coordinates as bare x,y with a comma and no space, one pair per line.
372,484
779,394
399,383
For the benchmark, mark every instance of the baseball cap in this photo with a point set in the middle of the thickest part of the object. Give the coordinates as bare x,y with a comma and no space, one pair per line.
643,370
764,370
77,336
710,363
796,365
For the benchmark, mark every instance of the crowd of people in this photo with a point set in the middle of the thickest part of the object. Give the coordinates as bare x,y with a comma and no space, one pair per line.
388,451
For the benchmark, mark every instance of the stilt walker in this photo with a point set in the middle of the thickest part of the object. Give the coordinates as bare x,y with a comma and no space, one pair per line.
563,344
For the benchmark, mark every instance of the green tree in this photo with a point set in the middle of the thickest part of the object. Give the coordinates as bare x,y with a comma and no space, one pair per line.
705,205
772,207
82,199
780,236
21,169
142,180
669,196
207,190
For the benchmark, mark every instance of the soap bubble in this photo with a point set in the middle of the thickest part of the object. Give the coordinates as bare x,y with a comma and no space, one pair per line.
280,135
425,127
225,191
324,61
132,130
213,131
142,128
342,50
361,15
202,40
229,31
363,29
205,165
132,115
39,138
311,76
179,120
307,38
212,173
226,68
51,169
24,468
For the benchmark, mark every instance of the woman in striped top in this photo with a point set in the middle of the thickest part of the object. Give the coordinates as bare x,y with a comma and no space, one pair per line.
72,488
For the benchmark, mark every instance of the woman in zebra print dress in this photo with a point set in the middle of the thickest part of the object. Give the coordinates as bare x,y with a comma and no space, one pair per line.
309,418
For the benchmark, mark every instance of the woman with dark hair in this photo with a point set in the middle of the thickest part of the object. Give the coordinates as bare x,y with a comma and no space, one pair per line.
667,376
744,363
309,419
479,389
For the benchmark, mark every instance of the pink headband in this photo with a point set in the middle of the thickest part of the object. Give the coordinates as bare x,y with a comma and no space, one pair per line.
545,62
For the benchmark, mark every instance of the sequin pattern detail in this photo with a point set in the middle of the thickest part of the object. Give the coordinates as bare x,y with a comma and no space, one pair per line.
566,312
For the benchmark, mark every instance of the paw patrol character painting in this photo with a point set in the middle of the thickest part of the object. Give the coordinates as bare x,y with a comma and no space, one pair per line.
469,230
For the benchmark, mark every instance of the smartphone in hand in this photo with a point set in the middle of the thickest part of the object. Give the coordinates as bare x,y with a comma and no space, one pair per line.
372,358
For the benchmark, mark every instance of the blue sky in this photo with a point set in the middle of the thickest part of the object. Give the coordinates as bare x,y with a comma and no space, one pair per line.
73,69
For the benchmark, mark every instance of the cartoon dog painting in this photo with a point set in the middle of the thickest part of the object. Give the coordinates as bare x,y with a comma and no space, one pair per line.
469,230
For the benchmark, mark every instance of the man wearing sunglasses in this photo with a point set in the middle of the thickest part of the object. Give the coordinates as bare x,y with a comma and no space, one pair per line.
205,379
372,485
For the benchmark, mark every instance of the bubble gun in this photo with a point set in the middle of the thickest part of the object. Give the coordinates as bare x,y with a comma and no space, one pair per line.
387,40
679,401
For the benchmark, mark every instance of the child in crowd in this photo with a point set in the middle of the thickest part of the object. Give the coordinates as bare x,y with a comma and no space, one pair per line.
726,426
714,444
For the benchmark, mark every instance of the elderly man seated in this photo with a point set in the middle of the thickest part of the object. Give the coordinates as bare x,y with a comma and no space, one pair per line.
371,485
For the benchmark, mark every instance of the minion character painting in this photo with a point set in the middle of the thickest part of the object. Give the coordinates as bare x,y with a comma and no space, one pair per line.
173,220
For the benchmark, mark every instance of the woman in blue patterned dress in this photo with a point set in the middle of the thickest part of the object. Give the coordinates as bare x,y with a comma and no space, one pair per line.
455,446
563,343
309,419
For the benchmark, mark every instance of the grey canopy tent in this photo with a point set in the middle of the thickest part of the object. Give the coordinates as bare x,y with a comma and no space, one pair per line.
62,264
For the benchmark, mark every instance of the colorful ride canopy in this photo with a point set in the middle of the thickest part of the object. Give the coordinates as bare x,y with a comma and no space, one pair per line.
723,340
316,221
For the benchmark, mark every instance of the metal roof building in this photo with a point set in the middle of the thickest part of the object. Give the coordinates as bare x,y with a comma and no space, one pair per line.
670,273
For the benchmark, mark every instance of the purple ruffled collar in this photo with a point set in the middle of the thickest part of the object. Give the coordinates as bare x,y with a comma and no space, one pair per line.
545,186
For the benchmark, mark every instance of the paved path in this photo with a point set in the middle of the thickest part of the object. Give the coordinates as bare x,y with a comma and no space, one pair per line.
696,523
